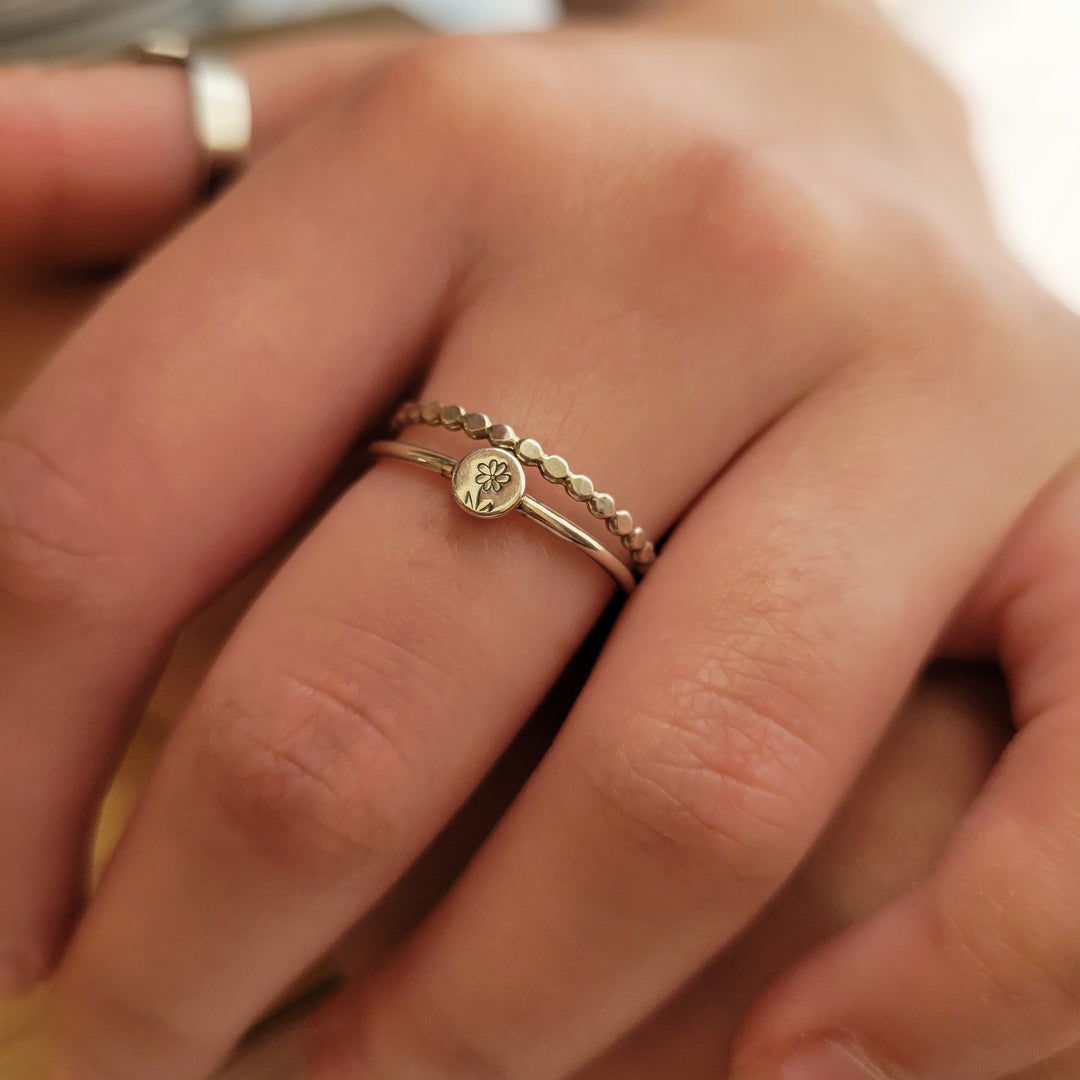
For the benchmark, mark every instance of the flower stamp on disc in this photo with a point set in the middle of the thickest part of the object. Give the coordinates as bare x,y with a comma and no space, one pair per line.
488,482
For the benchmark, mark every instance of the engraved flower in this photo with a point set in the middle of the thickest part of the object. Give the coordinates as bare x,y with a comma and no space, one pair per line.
492,475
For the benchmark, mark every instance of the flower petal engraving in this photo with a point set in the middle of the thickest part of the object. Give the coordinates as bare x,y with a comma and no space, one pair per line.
492,475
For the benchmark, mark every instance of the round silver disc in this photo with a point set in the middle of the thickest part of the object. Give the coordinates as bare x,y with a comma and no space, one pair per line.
488,482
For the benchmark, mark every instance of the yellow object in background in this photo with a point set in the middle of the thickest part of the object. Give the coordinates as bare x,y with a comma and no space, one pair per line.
24,1045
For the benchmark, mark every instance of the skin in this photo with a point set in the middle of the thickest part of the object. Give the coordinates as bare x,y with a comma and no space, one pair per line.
733,257
884,840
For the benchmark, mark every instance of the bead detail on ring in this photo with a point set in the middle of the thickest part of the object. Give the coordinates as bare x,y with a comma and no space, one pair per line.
451,417
476,425
602,506
580,487
554,468
502,436
528,452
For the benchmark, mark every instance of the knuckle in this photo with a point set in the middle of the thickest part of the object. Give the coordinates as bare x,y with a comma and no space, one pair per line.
442,90
304,764
713,777
57,549
292,789
742,212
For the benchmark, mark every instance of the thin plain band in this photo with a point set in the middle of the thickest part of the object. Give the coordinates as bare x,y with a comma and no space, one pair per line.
530,507
220,102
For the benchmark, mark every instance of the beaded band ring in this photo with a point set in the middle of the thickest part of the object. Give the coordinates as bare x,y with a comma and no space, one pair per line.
552,468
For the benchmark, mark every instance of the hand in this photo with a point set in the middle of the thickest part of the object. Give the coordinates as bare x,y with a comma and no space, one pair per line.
883,841
751,244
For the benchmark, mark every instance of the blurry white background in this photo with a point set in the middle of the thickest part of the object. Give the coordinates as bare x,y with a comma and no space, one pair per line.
1017,63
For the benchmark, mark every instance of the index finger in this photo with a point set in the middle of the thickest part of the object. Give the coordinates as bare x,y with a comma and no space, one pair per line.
101,161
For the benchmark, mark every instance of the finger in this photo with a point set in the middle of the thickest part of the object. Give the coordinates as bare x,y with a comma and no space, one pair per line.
885,839
100,162
174,437
355,710
983,958
334,738
788,615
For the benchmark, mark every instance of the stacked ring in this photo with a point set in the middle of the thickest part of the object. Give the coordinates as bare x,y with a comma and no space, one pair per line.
529,452
490,483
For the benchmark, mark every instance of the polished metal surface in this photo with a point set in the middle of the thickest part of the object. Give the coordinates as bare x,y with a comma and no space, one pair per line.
551,467
220,103
488,483
221,106
526,505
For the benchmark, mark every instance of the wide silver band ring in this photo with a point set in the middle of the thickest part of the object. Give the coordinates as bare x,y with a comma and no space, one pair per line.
524,504
220,103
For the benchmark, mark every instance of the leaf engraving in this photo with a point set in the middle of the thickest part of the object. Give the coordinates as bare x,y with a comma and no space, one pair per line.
479,507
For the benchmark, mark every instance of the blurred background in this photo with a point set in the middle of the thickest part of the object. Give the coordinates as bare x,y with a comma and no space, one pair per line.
1015,61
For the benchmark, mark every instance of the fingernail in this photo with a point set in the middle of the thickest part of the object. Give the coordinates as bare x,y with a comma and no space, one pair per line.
827,1060
17,974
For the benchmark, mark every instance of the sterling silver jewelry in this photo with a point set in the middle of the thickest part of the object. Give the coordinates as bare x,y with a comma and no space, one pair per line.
552,468
490,483
220,103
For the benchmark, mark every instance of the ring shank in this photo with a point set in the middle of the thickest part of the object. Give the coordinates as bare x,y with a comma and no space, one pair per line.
531,508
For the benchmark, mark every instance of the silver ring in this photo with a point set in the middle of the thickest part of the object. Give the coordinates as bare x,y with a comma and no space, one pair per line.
220,103
510,495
